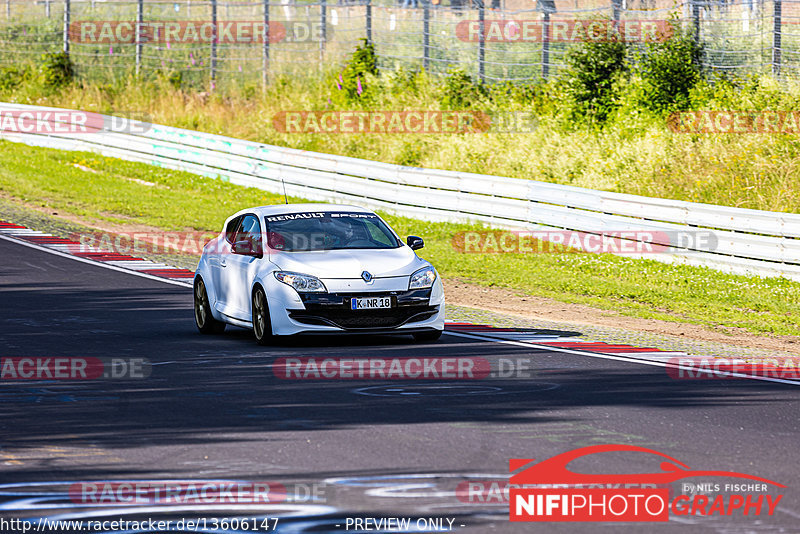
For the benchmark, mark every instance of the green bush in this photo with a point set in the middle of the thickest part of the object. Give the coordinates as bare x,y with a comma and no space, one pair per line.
56,70
589,80
669,71
362,65
459,91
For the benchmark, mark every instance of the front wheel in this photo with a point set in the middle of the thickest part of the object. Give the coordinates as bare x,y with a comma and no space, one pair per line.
262,327
427,336
202,311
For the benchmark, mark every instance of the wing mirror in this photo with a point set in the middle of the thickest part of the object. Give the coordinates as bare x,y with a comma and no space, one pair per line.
245,248
415,242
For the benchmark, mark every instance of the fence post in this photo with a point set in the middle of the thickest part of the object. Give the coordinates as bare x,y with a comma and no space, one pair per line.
481,39
8,9
426,35
67,9
265,56
369,21
47,8
696,17
546,7
616,7
139,23
323,19
777,34
545,45
215,31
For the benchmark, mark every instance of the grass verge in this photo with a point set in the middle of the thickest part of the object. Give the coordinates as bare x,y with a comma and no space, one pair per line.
124,193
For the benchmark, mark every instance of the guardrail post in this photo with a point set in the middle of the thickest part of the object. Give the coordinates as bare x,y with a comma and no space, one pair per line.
481,39
369,21
139,23
215,31
67,9
265,53
426,35
777,36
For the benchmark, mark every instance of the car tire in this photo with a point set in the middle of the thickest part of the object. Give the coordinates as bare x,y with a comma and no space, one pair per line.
205,322
427,336
262,326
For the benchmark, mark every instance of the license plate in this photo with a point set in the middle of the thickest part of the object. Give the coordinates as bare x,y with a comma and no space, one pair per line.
370,303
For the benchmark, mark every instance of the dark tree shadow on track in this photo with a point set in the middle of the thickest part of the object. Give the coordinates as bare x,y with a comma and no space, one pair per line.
204,389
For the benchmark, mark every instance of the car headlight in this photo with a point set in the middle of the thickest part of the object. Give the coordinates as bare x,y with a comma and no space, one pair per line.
422,279
301,282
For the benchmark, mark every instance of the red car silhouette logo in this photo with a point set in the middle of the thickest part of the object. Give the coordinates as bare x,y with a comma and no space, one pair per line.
554,470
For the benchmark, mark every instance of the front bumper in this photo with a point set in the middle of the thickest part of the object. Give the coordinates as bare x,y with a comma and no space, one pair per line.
324,313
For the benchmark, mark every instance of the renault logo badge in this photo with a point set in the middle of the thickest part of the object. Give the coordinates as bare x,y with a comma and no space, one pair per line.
366,276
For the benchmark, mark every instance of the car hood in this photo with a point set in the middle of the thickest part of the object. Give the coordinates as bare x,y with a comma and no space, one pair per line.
381,263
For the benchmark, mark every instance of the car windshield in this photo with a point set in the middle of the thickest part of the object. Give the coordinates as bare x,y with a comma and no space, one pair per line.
294,232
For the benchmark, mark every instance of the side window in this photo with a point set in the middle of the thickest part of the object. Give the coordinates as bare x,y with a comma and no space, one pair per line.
230,230
250,230
378,235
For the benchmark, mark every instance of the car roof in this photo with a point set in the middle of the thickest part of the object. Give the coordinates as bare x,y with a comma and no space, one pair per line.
281,209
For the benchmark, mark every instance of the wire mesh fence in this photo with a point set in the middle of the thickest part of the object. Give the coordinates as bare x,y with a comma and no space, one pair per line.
236,41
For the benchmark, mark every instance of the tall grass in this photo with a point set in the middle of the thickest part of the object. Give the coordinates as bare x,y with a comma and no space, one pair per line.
632,151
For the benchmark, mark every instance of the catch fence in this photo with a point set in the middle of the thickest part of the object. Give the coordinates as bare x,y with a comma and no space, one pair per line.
248,41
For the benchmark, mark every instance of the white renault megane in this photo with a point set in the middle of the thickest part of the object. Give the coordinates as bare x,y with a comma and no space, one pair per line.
316,268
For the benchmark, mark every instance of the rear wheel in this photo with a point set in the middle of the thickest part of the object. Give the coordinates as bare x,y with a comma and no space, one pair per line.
262,327
202,311
427,336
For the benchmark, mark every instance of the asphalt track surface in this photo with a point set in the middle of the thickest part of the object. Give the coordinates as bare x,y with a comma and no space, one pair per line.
213,409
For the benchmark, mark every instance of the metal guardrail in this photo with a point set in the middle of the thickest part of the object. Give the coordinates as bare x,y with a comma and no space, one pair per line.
747,241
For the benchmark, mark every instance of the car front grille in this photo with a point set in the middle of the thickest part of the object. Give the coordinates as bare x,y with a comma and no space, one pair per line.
333,309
